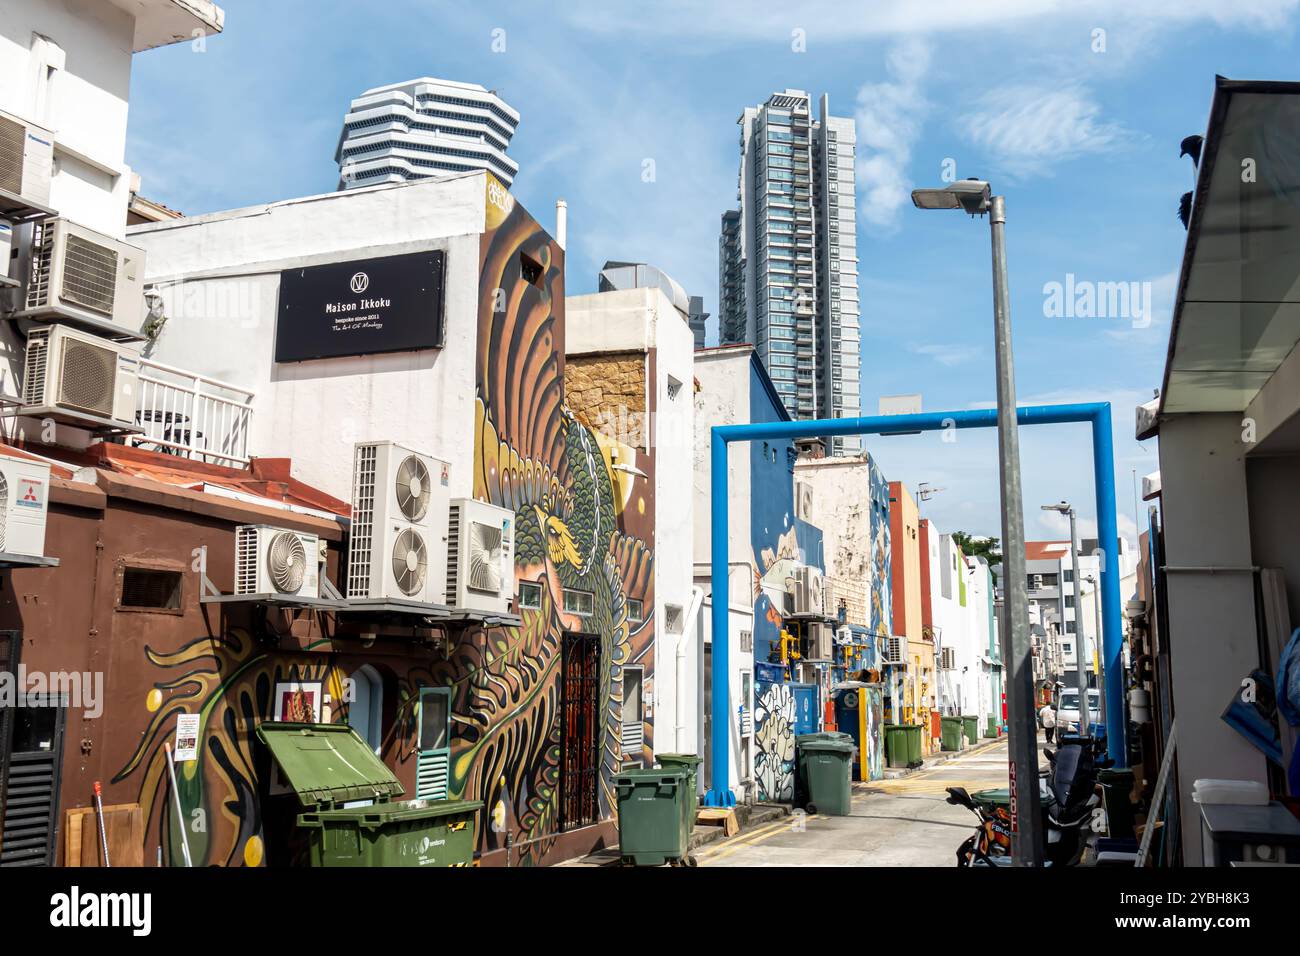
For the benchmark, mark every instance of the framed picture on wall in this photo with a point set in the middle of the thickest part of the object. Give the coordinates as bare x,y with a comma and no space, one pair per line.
297,702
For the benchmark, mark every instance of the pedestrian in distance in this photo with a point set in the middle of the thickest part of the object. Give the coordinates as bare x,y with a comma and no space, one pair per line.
1047,717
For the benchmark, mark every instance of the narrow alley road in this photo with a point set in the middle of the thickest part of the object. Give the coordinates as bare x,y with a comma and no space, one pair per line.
901,822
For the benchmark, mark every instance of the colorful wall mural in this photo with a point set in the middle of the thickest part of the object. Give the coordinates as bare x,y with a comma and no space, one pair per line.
575,533
779,542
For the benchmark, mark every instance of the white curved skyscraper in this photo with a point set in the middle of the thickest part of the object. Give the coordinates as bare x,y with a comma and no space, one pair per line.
425,127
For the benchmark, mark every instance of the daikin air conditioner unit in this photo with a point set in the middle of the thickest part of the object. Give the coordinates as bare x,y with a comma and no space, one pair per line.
24,503
480,556
400,502
83,275
276,561
809,597
26,159
803,500
896,650
79,377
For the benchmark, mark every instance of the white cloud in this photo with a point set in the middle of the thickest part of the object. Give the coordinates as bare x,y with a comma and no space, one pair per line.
947,355
889,119
1028,130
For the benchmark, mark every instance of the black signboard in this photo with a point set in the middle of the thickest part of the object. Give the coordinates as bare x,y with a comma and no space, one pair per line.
362,307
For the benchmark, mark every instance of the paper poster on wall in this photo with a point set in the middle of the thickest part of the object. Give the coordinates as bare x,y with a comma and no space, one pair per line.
187,738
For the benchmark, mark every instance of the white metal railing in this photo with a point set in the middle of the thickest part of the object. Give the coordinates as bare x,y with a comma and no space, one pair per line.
193,416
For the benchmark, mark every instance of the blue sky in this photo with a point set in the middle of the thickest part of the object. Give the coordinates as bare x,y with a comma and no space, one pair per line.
1079,129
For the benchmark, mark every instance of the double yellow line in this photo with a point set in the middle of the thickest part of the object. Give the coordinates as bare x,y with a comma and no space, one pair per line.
765,832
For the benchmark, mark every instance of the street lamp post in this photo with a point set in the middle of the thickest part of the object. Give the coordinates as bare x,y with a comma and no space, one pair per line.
1080,638
973,196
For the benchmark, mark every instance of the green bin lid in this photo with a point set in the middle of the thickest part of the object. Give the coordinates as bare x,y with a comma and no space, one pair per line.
825,744
636,775
328,763
691,759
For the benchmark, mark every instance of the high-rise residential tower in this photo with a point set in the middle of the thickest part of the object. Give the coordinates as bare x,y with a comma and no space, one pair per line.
787,259
422,128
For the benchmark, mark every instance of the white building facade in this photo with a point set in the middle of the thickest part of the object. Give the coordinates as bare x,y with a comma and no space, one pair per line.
422,128
627,334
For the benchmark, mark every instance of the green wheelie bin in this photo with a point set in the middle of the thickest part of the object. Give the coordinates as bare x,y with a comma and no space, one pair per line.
991,729
896,745
913,733
971,723
825,766
691,764
950,733
328,766
652,825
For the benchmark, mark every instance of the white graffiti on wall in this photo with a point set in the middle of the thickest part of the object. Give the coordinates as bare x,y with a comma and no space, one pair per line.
774,739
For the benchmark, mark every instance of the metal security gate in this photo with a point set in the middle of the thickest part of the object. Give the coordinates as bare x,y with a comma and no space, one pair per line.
580,731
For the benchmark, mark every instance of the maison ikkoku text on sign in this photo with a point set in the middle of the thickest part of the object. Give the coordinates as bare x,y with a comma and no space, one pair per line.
362,307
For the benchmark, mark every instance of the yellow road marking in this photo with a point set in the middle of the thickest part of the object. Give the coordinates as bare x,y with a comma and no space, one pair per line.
758,837
748,839
775,824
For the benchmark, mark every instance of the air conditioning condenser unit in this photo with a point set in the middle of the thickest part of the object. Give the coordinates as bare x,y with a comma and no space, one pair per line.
272,560
480,556
77,377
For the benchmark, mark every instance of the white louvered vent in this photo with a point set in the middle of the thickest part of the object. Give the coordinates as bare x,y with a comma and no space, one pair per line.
453,552
633,738
746,722
897,651
361,538
431,775
38,283
37,363
246,559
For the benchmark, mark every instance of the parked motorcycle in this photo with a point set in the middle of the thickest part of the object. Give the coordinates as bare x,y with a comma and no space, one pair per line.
1070,800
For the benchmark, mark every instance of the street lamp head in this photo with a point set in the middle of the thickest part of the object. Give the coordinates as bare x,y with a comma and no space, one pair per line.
970,195
1062,506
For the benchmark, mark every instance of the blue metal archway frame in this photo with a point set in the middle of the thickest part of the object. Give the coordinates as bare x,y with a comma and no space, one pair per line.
1103,460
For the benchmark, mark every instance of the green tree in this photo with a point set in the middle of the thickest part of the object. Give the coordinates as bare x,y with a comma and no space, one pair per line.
971,546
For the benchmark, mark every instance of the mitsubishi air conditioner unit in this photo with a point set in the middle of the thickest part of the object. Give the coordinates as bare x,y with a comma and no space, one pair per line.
809,596
26,161
24,503
82,275
80,378
400,502
480,556
276,561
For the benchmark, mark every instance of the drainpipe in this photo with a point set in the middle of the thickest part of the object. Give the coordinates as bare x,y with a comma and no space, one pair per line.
688,634
561,223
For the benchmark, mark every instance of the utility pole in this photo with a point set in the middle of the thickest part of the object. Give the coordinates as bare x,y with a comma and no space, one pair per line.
974,197
1022,724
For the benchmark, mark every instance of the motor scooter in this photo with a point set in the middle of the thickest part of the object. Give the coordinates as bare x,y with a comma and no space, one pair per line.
1069,797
